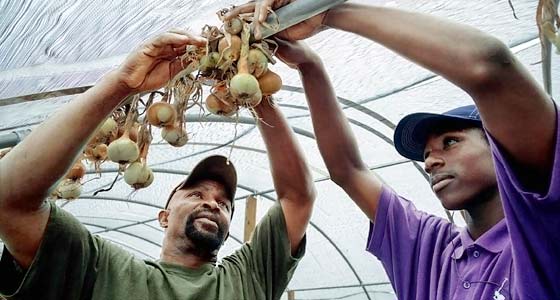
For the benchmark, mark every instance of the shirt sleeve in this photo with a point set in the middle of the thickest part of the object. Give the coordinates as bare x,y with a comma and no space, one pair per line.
267,256
63,268
407,240
533,220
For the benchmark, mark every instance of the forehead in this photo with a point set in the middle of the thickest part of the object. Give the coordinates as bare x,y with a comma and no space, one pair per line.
206,185
440,132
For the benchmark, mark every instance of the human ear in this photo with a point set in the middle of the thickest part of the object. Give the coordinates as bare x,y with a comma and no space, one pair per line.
162,217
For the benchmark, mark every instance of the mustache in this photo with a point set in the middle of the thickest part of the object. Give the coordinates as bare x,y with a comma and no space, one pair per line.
205,213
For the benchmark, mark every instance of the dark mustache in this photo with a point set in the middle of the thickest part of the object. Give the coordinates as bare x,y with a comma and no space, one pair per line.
205,213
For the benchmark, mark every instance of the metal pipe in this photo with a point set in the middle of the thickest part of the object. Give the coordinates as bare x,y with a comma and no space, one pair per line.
13,138
296,12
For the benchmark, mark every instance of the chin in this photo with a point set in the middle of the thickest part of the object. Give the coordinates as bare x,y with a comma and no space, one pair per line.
452,202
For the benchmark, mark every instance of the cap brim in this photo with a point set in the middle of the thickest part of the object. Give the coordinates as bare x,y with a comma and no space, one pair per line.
413,130
215,167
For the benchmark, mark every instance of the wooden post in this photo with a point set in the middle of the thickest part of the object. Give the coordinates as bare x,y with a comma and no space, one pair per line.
250,217
291,295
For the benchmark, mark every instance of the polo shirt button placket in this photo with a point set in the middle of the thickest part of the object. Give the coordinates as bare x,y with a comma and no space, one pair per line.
466,284
476,254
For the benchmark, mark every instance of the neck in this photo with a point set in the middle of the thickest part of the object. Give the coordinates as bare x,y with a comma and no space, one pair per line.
484,214
185,254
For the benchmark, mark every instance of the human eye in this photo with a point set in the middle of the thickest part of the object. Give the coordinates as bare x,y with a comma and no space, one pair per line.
195,194
224,204
450,141
426,154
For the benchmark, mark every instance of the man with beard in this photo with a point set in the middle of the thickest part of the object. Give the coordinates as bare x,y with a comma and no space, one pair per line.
49,255
497,162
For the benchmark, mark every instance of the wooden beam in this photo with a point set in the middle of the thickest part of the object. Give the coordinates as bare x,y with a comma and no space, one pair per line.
250,217
291,295
44,95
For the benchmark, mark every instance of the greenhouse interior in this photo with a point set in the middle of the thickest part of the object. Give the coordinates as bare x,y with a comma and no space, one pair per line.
52,51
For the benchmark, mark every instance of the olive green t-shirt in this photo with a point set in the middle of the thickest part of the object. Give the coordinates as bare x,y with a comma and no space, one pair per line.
73,264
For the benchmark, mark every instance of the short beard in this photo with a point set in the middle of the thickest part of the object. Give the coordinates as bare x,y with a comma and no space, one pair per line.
203,243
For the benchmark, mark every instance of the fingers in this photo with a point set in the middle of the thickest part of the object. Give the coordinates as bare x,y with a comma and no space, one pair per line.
183,37
261,11
172,43
242,9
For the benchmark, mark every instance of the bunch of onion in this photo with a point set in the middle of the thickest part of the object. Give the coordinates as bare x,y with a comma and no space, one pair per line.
552,35
229,50
138,174
124,150
175,134
76,172
244,87
548,21
220,102
96,148
187,92
70,187
67,189
161,114
96,153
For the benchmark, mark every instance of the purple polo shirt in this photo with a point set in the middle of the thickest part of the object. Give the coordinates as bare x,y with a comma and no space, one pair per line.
426,257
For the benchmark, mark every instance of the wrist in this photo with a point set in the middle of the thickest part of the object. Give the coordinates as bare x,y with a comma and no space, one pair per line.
113,83
311,64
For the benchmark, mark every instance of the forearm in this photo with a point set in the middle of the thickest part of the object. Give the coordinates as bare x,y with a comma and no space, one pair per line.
335,138
33,166
292,179
462,54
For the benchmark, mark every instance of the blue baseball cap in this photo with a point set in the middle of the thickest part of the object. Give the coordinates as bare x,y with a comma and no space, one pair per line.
413,130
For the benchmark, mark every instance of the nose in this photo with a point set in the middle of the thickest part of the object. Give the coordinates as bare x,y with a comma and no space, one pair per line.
433,161
211,204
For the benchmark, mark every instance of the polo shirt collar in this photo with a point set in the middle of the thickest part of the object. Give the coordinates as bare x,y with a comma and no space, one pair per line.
494,240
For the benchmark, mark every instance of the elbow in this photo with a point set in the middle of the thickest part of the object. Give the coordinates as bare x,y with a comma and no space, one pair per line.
341,176
304,195
309,191
488,62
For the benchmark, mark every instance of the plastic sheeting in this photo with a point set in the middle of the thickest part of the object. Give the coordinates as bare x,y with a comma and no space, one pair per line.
55,45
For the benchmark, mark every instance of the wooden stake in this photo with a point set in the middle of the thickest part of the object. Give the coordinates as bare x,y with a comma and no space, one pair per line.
250,217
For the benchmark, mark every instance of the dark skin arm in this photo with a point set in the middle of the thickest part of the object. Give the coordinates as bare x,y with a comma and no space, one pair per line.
478,63
26,176
292,180
336,141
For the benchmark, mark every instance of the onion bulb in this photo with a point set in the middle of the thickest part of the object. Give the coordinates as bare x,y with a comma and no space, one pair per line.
108,127
99,152
161,114
77,171
243,86
230,53
252,101
68,189
258,63
123,150
138,175
208,62
175,135
223,106
233,26
270,83
132,132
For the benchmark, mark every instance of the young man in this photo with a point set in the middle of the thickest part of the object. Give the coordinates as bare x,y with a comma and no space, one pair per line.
426,257
49,255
